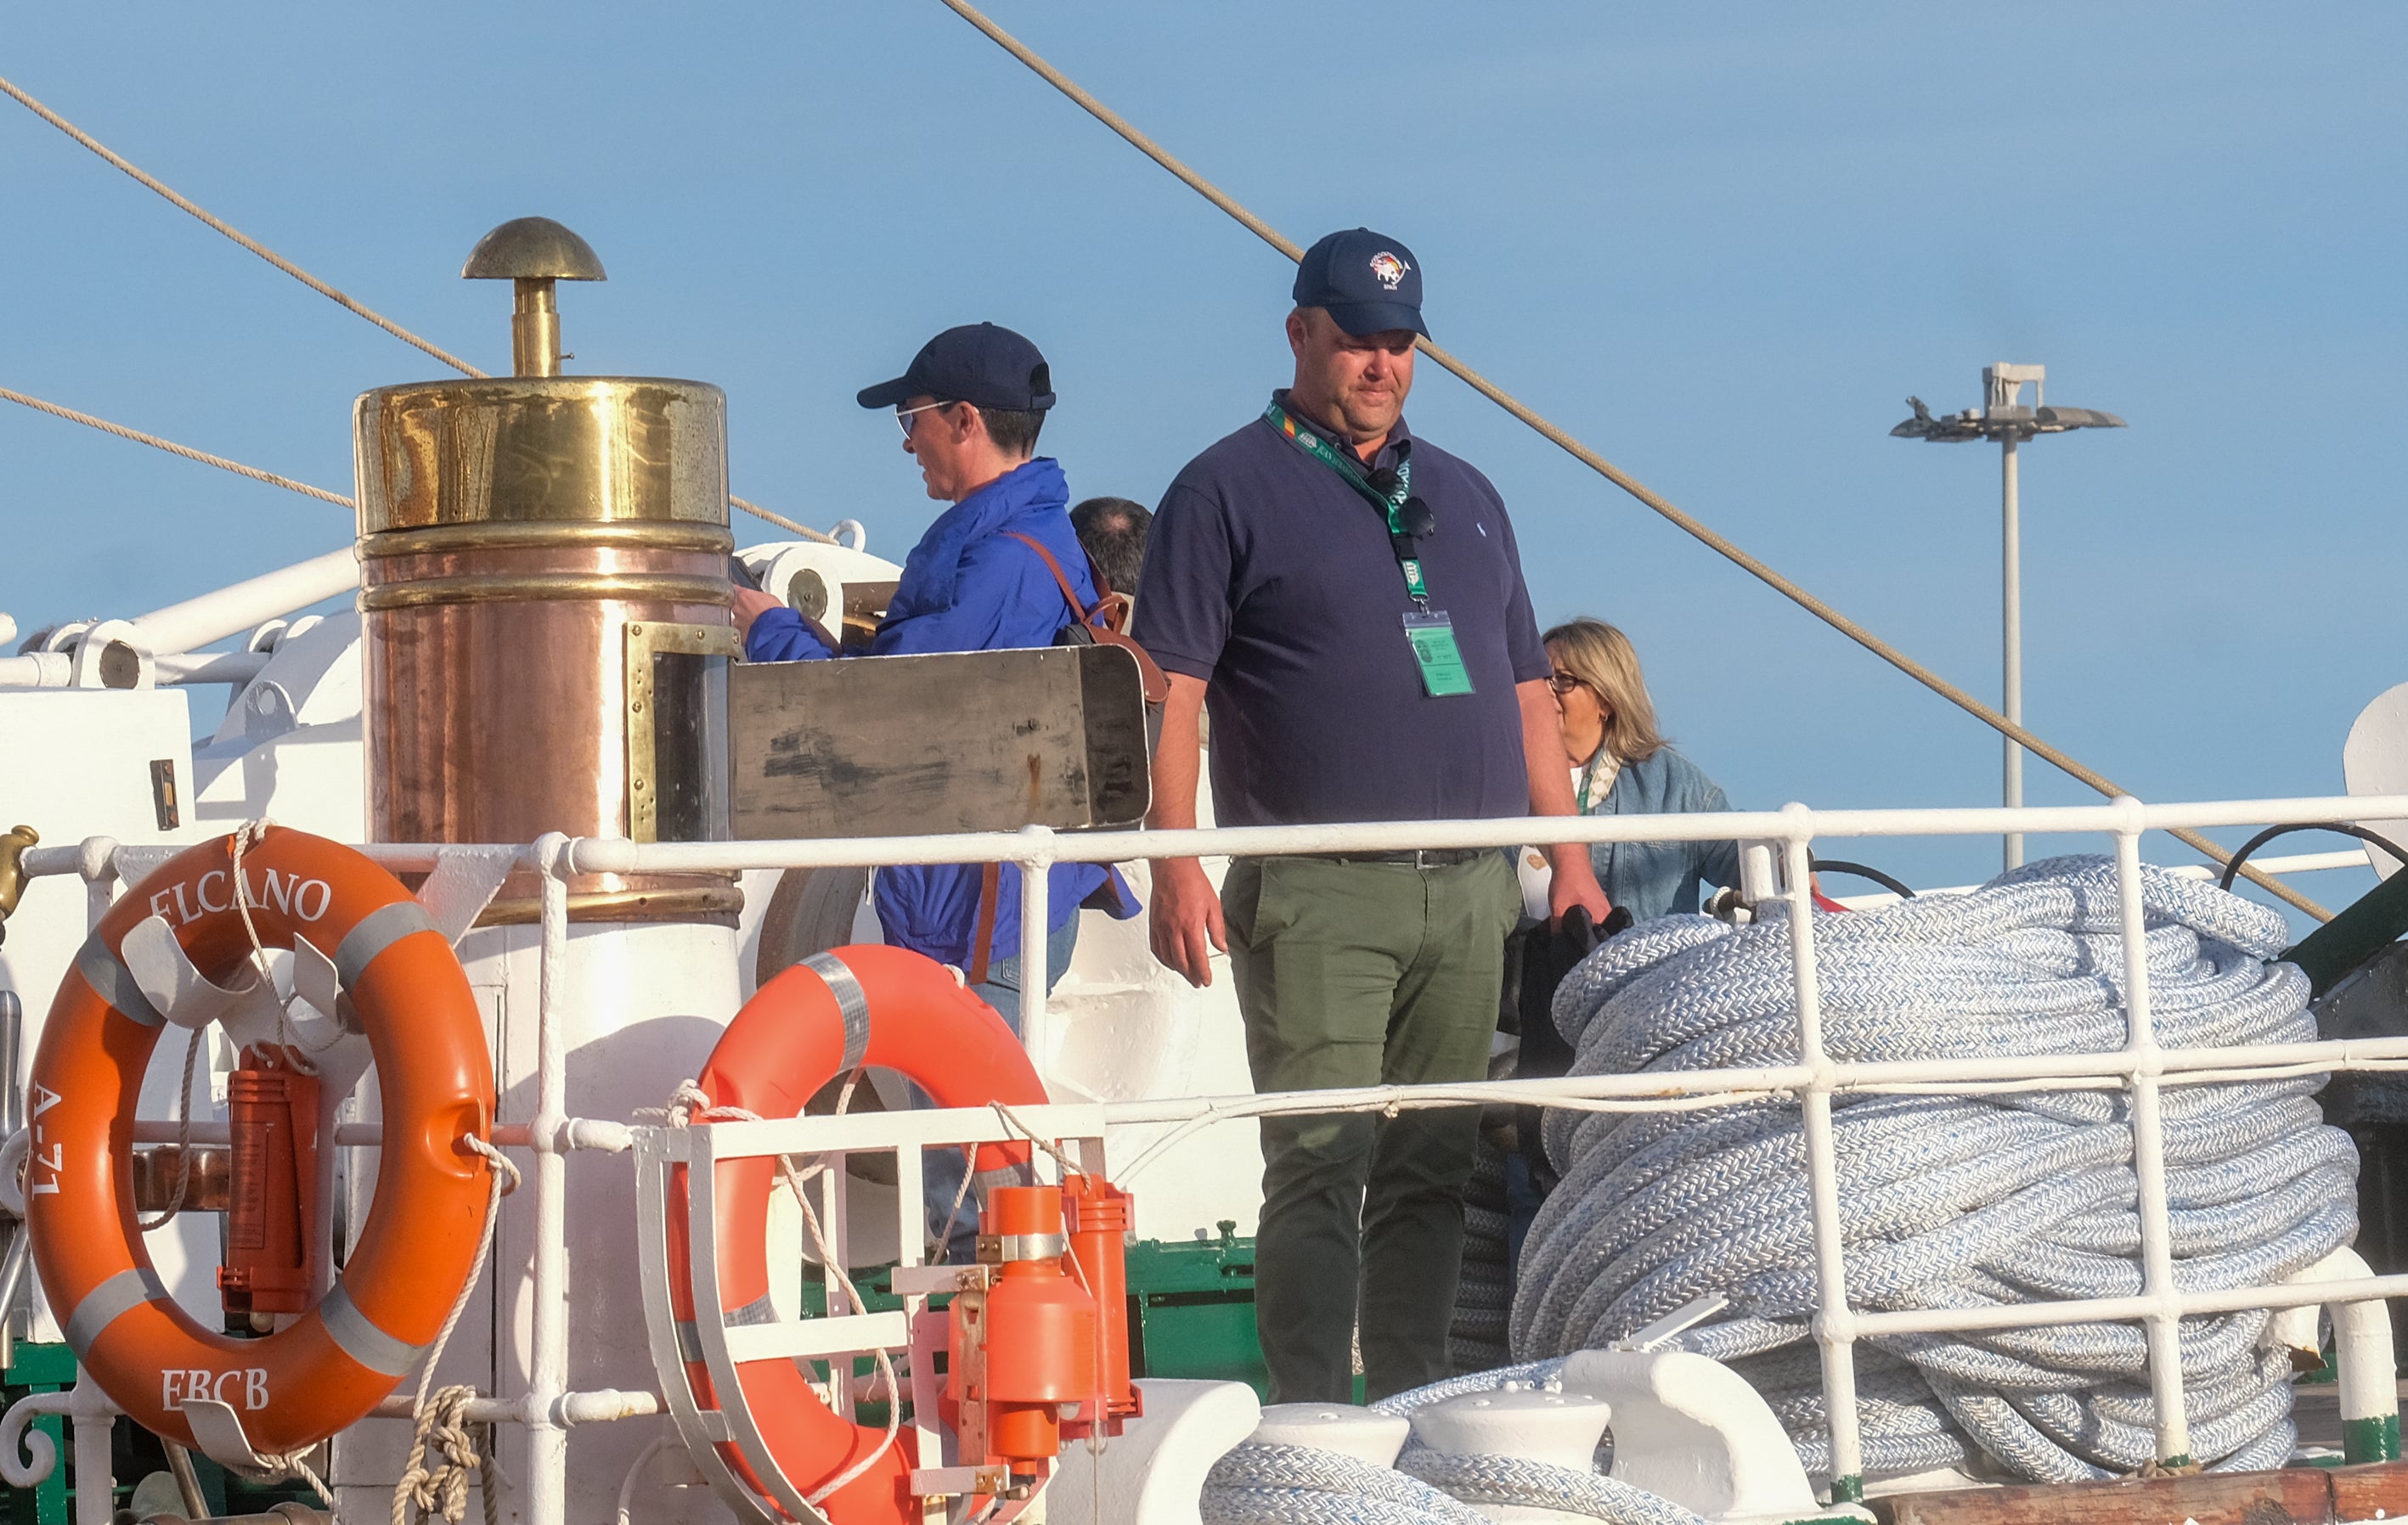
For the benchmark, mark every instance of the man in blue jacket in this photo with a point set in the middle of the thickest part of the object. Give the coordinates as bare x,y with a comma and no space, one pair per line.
970,406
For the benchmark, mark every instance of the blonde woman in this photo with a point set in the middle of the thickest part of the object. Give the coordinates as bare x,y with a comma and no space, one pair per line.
1622,767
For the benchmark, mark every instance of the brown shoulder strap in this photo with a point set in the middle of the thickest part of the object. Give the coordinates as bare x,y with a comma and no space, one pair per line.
983,932
1061,579
1157,688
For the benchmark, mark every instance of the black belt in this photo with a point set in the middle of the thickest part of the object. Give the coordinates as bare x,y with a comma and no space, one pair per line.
1414,857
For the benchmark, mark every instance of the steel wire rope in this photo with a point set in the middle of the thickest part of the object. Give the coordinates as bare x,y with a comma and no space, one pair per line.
341,298
218,224
1693,527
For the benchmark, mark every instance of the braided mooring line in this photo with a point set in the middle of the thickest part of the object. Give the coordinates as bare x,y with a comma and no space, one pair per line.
1957,1200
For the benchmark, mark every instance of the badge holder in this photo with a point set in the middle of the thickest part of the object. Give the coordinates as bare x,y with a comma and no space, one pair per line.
1432,634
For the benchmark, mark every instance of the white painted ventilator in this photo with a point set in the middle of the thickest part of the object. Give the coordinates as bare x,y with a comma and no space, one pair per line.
2139,1069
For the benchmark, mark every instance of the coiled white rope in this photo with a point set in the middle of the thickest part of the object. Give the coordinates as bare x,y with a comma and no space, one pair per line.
1950,1201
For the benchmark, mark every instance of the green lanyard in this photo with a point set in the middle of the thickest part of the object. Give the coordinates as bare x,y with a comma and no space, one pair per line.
1390,504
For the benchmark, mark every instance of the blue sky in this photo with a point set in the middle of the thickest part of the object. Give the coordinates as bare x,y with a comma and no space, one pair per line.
1720,244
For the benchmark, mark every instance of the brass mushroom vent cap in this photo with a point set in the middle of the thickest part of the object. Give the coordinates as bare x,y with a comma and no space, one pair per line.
532,252
532,249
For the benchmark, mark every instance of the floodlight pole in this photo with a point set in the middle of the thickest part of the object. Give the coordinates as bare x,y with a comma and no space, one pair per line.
2004,417
2011,640
2003,387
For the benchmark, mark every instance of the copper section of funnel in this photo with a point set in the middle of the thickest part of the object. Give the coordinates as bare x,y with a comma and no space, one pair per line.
545,600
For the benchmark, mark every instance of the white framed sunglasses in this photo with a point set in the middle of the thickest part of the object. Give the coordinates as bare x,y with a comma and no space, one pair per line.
903,415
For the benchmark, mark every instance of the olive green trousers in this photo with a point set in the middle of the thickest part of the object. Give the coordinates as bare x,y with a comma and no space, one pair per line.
1364,973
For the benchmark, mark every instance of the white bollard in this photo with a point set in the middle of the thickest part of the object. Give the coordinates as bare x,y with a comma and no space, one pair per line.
1358,1432
1526,1424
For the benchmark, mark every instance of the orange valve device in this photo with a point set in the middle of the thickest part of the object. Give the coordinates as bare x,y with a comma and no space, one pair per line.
1098,1215
1022,1354
349,1346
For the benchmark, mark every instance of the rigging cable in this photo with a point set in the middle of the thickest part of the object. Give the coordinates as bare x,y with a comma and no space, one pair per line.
169,446
1607,469
305,278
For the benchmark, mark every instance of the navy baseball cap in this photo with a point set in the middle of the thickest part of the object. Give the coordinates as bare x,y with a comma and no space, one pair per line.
978,363
1368,281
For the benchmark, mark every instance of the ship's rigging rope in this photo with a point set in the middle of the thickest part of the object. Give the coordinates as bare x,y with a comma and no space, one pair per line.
219,225
169,446
341,298
438,1416
1623,480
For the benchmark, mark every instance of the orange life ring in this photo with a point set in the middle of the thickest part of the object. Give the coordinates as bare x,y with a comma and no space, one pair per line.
293,1388
883,1006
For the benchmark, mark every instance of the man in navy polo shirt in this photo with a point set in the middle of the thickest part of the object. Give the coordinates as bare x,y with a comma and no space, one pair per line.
1348,601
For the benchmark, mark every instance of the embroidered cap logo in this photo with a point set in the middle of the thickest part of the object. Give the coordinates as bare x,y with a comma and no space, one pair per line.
1390,269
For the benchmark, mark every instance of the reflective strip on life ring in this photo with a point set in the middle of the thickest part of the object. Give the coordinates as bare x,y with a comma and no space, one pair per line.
882,1007
294,1388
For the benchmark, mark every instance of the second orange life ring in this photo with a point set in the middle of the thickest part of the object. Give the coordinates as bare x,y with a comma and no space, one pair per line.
882,1007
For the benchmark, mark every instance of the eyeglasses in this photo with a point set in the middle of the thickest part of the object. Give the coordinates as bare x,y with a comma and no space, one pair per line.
1564,683
903,415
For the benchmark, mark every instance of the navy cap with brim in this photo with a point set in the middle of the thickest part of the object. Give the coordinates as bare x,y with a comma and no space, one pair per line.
1364,318
981,363
1368,282
886,393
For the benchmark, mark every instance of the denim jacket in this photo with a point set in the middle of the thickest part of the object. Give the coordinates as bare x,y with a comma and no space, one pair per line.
1655,879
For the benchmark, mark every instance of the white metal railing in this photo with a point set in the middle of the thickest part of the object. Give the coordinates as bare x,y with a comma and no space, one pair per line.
2140,1067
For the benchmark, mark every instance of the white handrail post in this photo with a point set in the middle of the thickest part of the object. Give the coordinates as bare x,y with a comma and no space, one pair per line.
93,1419
1035,907
2163,1323
1834,1325
548,1368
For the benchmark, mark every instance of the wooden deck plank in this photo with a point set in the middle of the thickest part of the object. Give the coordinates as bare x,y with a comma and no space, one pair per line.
2294,1496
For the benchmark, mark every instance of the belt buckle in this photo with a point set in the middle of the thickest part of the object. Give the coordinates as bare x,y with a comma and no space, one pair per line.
1426,858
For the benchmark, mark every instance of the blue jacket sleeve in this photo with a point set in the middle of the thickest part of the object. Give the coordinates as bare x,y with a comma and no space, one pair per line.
782,636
